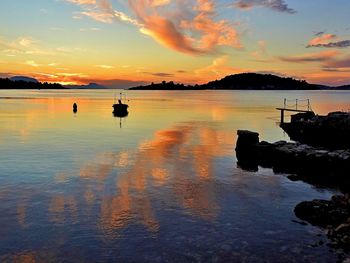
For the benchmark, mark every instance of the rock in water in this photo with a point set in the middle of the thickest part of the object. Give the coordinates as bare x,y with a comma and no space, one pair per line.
246,150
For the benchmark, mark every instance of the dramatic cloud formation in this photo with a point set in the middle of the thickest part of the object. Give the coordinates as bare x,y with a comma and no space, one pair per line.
190,27
277,5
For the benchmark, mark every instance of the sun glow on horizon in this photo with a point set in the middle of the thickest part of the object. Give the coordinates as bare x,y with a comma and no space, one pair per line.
142,41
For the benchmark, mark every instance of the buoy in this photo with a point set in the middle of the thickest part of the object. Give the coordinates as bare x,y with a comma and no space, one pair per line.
75,108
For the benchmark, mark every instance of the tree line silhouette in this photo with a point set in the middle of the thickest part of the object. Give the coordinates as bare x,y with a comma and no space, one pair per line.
243,81
6,83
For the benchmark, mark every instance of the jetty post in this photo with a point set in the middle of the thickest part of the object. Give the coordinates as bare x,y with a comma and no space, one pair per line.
282,115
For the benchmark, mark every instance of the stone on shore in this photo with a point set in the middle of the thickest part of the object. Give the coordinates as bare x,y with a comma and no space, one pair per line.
333,215
330,131
310,163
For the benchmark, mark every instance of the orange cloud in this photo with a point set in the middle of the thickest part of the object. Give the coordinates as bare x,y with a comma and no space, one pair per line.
191,29
323,39
163,29
82,2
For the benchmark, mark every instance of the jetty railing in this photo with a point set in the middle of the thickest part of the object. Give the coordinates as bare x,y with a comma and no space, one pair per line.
297,105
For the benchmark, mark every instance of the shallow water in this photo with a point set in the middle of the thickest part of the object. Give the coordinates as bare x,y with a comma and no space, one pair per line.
161,185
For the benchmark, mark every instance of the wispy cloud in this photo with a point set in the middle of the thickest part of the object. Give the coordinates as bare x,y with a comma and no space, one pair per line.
321,39
82,2
32,63
340,63
160,74
277,5
218,68
338,44
105,66
91,29
102,11
311,57
327,41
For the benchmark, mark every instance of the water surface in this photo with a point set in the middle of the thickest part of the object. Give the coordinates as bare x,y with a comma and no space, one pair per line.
161,185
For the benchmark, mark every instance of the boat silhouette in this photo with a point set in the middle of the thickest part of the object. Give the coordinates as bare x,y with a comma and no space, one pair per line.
120,109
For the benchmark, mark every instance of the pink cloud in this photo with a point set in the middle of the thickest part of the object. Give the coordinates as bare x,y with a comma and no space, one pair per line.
323,39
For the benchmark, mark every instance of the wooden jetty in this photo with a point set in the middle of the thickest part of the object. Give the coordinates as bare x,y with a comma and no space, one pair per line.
295,107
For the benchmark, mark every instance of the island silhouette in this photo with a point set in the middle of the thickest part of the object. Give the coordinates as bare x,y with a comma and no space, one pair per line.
242,81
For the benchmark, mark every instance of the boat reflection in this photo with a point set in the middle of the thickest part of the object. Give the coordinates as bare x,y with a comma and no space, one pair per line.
121,114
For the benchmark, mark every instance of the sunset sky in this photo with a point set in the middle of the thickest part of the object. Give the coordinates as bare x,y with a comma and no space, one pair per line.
127,42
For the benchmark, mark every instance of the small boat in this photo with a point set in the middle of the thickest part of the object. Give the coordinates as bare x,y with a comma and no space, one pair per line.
120,109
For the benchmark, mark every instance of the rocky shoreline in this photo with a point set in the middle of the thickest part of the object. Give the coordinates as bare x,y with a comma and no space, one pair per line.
332,215
331,131
312,164
319,166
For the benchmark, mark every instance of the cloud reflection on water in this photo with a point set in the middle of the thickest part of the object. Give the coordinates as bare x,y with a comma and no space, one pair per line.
178,164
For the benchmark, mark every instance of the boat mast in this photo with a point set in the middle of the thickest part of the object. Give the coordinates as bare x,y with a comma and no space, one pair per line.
114,96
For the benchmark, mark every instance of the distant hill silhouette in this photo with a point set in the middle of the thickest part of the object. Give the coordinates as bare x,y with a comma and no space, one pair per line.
21,84
166,86
243,81
24,78
254,81
88,86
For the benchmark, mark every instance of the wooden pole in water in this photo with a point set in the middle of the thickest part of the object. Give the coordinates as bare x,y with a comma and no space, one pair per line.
282,116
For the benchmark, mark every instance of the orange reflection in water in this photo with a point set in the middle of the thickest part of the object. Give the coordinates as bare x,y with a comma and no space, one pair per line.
181,158
24,258
62,208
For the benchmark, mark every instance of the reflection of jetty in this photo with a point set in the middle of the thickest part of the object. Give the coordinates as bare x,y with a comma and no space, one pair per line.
295,107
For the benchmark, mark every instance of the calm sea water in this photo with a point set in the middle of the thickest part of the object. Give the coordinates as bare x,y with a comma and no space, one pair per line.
161,185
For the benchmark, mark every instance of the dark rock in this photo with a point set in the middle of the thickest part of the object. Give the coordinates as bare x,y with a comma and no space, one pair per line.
333,215
247,138
330,131
321,212
303,116
316,165
246,150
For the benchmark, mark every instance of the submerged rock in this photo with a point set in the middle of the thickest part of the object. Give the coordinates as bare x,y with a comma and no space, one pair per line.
333,215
